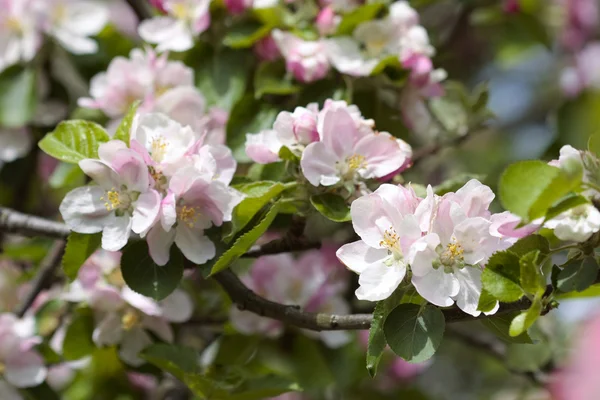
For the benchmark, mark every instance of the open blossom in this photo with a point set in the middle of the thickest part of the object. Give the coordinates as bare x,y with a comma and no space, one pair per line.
72,22
14,144
577,224
176,31
445,241
122,316
120,201
294,130
306,60
345,153
315,281
22,365
144,76
19,34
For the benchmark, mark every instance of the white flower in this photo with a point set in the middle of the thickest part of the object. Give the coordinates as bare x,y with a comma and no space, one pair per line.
19,35
576,224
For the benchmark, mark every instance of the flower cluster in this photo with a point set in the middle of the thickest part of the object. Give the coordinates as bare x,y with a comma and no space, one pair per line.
23,23
161,86
168,185
445,241
315,281
336,144
123,317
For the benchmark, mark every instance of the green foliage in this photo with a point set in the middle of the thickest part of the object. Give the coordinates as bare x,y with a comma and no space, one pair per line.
531,243
245,34
245,240
593,144
18,96
377,343
78,337
222,77
258,194
579,118
79,248
566,204
530,188
357,16
525,319
414,332
332,206
499,325
66,176
73,141
310,366
487,302
144,276
501,277
578,275
532,280
271,78
124,129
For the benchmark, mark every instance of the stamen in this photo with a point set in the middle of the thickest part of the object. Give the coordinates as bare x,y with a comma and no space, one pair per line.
129,320
188,215
112,200
159,148
356,161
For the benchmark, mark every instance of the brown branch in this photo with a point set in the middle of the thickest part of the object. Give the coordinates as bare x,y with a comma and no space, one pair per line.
283,245
12,221
43,277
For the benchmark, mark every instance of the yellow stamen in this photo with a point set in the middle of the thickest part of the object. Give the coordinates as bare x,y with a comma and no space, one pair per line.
188,215
130,319
455,250
112,200
179,11
159,148
2,368
356,161
115,278
13,24
390,239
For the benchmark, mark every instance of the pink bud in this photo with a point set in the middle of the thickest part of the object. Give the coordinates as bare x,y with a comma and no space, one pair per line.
236,7
266,49
511,6
326,21
159,5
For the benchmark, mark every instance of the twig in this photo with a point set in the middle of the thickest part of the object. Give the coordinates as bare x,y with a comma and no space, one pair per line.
12,221
140,8
283,245
43,276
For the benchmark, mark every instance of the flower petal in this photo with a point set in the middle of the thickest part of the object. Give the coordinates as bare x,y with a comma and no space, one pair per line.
467,298
437,287
116,234
358,256
159,244
378,281
177,307
319,165
194,245
84,211
145,213
25,369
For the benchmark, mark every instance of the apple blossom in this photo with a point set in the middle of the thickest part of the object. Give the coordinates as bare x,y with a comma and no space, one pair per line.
294,130
577,224
387,226
14,144
345,154
237,6
19,34
327,21
72,22
185,20
306,60
122,199
314,281
266,49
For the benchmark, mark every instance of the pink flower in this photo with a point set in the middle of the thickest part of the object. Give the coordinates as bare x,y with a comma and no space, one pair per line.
347,154
159,5
327,21
237,6
266,49
176,31
578,380
294,130
581,19
306,60
121,200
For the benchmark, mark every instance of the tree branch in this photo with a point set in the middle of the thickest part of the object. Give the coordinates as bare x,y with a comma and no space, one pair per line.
43,276
12,221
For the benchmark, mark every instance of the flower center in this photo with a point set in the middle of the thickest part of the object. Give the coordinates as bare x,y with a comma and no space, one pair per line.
356,161
59,13
188,215
130,319
391,241
452,256
179,11
2,368
13,24
376,46
118,200
159,148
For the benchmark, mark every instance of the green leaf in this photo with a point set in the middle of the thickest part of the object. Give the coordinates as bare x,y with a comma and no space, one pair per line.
176,360
501,277
145,277
355,17
271,78
245,34
79,248
500,325
594,143
40,392
579,118
331,206
258,194
18,96
524,320
287,155
414,332
222,77
487,302
377,343
532,280
248,116
78,341
73,141
390,61
243,243
124,128
530,188
530,243
66,175
592,291
578,275
528,357
571,201
309,364
264,387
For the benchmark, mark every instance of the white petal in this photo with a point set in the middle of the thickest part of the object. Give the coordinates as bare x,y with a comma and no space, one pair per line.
358,256
168,33
101,173
159,326
177,307
437,287
379,281
145,213
467,298
75,43
85,17
159,244
194,245
345,55
116,234
422,254
14,143
8,392
134,341
109,331
25,369
141,302
84,211
319,165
